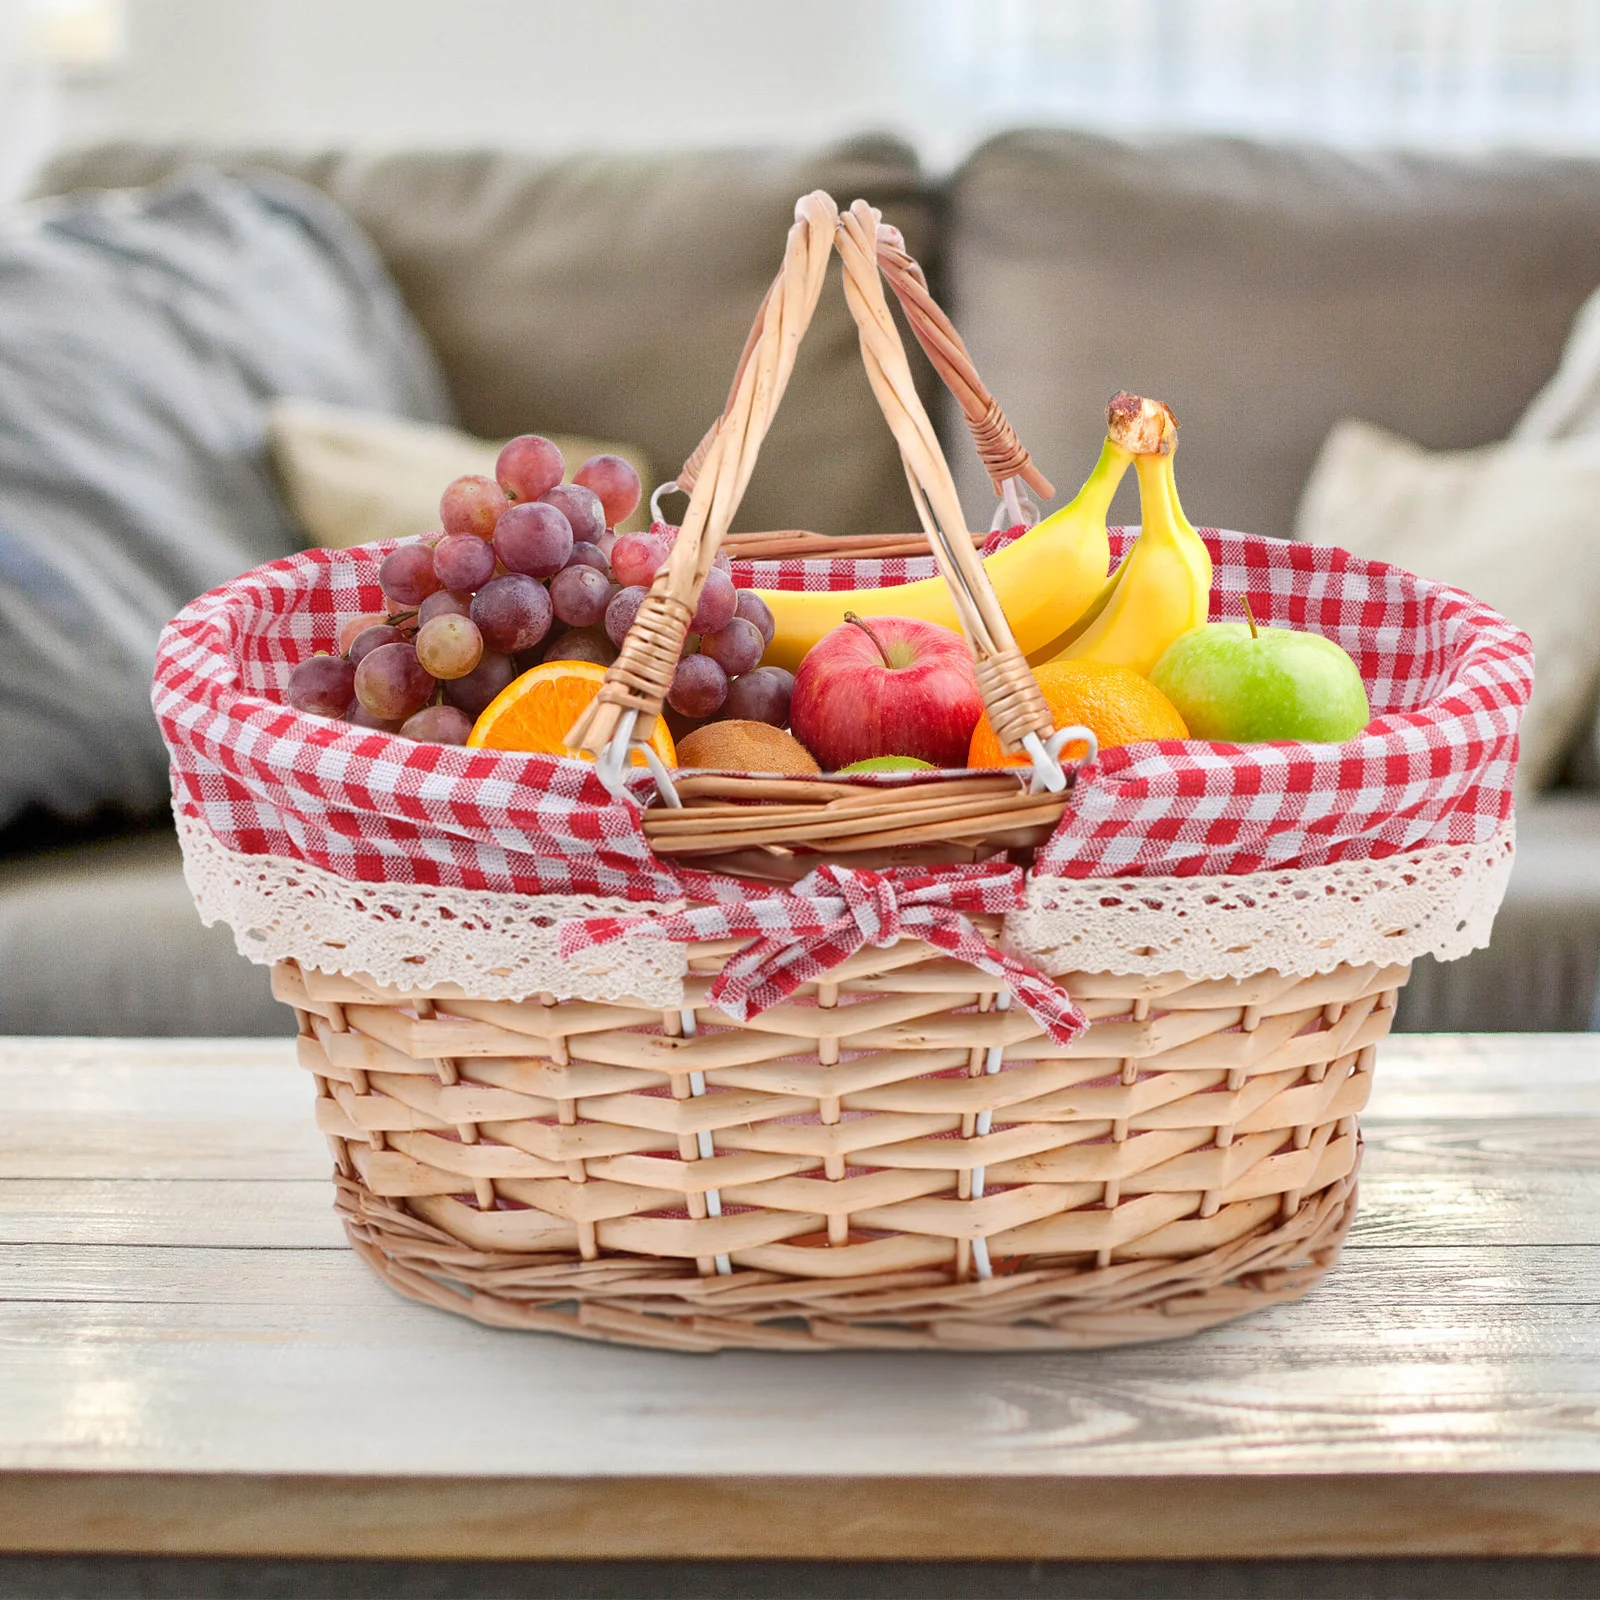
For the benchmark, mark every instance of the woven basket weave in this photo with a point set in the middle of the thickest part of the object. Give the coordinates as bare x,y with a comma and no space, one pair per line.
870,1147
894,1156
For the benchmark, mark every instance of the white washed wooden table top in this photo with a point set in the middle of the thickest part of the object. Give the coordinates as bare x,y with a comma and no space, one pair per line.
176,1299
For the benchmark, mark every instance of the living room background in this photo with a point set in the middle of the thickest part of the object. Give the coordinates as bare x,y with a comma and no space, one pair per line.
630,74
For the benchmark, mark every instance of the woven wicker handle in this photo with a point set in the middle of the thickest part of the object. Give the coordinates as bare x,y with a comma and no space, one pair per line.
1001,451
636,683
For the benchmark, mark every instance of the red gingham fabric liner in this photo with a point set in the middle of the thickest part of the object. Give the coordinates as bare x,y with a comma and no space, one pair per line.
798,934
1447,678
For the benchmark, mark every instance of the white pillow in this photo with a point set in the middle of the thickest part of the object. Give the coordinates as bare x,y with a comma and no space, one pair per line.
1517,525
351,477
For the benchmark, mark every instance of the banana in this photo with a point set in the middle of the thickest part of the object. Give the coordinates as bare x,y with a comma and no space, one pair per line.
1163,586
1043,580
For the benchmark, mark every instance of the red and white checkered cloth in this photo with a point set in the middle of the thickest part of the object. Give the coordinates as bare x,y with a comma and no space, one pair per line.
800,933
1447,678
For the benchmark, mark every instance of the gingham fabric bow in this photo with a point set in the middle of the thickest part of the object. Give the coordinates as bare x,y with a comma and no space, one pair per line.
802,933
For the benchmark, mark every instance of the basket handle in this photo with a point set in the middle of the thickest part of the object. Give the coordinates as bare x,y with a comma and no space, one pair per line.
1001,451
636,682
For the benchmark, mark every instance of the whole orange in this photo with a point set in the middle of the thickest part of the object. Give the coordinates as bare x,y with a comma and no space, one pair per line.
1119,705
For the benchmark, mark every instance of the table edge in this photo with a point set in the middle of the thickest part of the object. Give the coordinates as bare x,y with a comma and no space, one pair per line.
988,1518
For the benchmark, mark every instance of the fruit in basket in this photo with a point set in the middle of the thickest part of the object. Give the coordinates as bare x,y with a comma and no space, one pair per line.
438,725
698,687
449,646
891,686
582,509
535,710
473,504
581,644
392,683
637,557
369,639
736,647
1163,586
760,696
1116,704
1043,580
463,561
512,612
1238,683
718,603
407,576
473,692
889,764
322,685
533,538
579,595
743,746
614,481
528,466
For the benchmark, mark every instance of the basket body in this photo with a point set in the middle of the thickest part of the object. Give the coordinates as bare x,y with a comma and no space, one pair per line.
887,1159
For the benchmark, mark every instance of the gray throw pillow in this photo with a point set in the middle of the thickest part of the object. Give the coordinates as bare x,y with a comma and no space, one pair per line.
143,334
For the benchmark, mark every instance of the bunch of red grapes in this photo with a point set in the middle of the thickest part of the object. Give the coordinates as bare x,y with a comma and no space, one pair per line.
528,569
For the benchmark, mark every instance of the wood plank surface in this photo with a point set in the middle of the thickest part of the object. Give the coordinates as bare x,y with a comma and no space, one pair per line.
190,1360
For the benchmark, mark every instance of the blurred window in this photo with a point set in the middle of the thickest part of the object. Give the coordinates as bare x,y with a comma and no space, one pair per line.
1452,74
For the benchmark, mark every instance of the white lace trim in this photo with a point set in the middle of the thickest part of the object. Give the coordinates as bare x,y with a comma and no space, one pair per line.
414,936
1439,901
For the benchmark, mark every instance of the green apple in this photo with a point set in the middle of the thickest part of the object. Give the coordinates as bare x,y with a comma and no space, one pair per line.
1240,684
889,764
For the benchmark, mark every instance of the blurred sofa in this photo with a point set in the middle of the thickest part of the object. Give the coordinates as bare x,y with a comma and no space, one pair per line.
1264,292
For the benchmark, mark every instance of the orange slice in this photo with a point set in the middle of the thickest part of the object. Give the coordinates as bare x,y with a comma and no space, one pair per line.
534,712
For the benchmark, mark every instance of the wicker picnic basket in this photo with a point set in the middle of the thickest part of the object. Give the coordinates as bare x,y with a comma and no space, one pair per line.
816,1064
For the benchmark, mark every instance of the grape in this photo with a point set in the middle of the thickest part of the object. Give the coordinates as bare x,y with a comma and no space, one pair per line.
579,596
581,507
533,538
699,686
437,725
735,648
582,644
718,600
637,557
472,505
614,481
353,627
512,613
589,555
322,685
605,544
407,576
760,696
449,647
391,682
369,639
473,692
529,466
620,613
463,561
358,716
446,603
749,605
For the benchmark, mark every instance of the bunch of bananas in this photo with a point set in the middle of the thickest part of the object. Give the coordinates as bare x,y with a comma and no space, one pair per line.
1052,581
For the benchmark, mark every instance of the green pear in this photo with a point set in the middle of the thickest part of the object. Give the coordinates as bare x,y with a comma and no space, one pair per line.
1241,684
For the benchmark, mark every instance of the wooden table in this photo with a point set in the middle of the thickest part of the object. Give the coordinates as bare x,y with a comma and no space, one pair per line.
192,1362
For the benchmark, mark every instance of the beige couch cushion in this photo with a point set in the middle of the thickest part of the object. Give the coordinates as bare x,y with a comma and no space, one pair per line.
351,477
1518,525
1265,293
610,296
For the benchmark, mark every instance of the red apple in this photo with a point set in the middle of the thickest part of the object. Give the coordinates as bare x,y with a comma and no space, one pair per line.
889,686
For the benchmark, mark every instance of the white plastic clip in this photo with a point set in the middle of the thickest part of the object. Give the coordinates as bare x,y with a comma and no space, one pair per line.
614,760
660,489
1048,772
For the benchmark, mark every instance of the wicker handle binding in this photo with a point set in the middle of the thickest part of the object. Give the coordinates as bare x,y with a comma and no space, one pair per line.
1001,451
636,683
